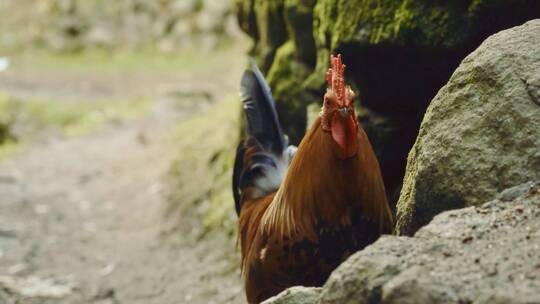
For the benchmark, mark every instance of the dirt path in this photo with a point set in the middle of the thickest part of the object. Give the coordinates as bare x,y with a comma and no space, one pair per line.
81,221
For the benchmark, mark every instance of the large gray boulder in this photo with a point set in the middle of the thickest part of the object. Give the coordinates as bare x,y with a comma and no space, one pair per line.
480,134
484,254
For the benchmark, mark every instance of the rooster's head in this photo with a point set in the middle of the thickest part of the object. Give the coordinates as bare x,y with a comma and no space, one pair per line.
338,116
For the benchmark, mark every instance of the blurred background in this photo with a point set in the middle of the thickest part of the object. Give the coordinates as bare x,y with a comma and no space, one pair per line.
119,120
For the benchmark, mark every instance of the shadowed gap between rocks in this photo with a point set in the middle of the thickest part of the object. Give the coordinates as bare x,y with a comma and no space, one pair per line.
396,85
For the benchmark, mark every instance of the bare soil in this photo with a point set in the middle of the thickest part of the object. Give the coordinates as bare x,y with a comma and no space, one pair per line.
82,218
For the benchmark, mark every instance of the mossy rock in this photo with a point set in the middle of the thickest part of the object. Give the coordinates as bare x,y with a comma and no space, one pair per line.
201,178
286,77
247,20
415,23
411,46
8,114
271,30
298,16
398,53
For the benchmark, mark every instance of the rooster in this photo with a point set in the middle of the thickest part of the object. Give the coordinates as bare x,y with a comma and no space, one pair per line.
304,211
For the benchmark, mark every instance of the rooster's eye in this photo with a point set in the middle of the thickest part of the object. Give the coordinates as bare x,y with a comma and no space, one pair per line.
330,101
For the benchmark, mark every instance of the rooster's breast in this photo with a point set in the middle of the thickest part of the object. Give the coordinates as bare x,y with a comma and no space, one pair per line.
308,261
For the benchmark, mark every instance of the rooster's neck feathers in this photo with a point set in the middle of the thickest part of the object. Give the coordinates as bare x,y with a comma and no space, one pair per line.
319,186
298,202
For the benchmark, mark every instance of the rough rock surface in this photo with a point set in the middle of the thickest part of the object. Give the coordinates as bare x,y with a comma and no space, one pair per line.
481,132
296,295
485,254
398,53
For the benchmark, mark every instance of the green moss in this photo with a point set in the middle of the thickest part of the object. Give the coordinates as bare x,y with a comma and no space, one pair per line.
125,61
9,148
414,23
77,118
419,202
271,30
313,110
299,21
411,22
316,80
202,171
71,117
282,75
7,118
110,112
245,12
286,77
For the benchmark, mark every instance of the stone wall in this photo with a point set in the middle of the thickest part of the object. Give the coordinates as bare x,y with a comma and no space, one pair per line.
398,53
68,25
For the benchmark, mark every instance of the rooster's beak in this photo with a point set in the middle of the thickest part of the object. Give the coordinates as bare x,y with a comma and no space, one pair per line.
344,112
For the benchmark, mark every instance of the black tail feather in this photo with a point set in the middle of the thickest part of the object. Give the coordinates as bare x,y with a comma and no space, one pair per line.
260,109
237,170
262,129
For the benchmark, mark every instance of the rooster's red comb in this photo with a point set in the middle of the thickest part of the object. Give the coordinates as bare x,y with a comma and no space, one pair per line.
336,77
